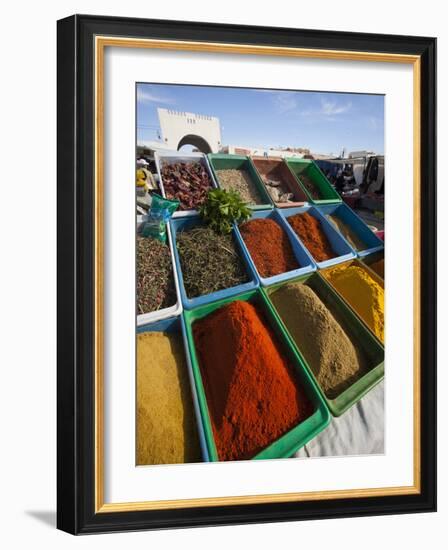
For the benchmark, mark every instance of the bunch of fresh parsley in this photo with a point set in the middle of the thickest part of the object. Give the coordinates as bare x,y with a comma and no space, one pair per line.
222,208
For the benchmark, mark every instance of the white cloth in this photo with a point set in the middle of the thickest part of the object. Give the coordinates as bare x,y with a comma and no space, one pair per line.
359,431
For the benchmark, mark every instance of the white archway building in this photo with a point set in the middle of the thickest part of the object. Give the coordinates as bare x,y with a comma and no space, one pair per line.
179,128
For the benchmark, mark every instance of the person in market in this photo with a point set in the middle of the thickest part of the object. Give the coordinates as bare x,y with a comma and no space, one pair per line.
340,182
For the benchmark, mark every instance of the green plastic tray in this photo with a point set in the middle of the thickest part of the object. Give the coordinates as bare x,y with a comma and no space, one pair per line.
238,162
310,169
325,272
290,442
357,331
275,168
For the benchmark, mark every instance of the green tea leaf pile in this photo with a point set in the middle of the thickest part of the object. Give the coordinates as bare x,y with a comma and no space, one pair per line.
210,262
155,279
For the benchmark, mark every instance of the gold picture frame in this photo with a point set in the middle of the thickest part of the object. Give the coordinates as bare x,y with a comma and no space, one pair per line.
101,40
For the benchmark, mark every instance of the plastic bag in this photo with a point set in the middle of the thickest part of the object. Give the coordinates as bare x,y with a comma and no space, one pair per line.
159,215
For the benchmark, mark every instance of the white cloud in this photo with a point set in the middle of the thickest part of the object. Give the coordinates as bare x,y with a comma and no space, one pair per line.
331,108
147,96
285,102
375,123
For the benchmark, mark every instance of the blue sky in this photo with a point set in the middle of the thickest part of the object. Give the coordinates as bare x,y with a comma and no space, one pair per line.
322,121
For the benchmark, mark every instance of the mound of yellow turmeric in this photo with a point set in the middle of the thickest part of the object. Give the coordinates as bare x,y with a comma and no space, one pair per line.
363,293
166,426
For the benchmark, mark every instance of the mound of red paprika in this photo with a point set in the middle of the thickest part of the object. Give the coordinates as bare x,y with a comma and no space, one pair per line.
252,391
269,246
310,232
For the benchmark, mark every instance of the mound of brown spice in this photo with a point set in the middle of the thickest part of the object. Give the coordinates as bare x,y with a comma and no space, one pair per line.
332,356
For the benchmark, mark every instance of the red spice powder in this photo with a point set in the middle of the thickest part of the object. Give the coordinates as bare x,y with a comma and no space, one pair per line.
252,392
310,232
269,247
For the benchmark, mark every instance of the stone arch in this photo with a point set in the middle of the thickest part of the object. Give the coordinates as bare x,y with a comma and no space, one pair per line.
197,141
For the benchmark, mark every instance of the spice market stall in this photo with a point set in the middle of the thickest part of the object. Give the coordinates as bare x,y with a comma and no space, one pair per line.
274,314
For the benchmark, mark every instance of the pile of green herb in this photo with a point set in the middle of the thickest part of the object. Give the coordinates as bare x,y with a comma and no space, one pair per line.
222,208
210,262
155,278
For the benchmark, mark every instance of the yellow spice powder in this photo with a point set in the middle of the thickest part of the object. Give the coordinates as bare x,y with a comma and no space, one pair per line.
166,429
363,293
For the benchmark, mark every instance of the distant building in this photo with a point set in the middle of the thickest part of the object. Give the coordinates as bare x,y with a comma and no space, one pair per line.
321,156
262,151
357,154
179,128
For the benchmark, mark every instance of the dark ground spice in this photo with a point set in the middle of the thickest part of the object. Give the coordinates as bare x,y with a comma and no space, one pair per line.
155,278
252,391
310,232
269,246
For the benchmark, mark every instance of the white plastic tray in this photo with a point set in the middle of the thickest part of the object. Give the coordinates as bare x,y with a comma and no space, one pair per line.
166,312
161,157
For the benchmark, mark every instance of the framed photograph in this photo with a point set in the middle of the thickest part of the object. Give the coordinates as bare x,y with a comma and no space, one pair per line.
246,307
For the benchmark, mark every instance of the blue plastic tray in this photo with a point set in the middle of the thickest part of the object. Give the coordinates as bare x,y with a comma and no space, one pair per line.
189,303
175,324
339,245
358,226
304,259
